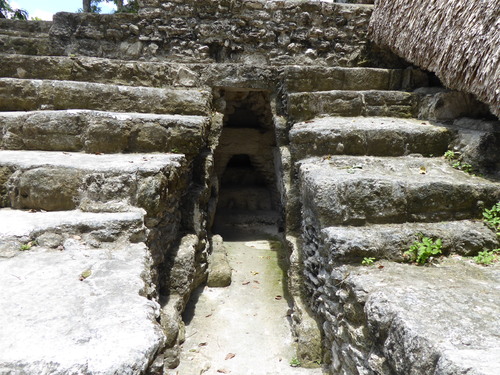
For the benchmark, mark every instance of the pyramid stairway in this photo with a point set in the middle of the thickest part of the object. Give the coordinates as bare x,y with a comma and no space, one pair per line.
92,179
26,38
372,180
98,158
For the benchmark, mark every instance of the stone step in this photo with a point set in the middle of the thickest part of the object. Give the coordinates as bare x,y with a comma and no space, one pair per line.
308,105
11,26
55,181
378,136
231,224
102,132
320,78
98,70
37,44
53,229
94,305
137,73
35,34
446,314
295,78
390,241
356,190
30,95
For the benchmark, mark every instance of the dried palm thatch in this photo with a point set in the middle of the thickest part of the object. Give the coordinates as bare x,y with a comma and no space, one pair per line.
459,40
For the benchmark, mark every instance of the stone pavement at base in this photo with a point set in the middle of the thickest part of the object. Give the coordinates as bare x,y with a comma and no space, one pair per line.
242,329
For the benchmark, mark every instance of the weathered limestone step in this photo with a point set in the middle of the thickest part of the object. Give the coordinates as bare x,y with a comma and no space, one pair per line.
232,218
34,34
320,78
102,132
90,304
404,319
378,136
63,181
29,95
37,44
52,229
307,105
101,70
138,73
344,190
389,241
10,26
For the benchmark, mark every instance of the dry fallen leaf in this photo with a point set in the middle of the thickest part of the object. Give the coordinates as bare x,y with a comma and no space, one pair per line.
277,298
256,281
230,355
223,371
85,274
202,344
245,283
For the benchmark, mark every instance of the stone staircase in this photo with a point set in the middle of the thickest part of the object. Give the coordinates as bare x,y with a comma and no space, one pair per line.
369,187
351,92
92,184
105,169
25,37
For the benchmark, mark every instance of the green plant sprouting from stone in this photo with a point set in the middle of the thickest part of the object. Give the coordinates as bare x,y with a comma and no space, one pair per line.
450,155
492,218
421,251
486,257
295,362
367,261
461,166
27,246
454,159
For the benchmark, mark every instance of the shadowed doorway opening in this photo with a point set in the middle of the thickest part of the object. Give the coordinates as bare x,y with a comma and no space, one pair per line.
244,162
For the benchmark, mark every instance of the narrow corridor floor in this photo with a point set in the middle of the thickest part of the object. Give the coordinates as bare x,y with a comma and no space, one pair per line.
242,329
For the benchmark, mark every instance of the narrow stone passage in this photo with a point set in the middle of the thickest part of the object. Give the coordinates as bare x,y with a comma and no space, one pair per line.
244,328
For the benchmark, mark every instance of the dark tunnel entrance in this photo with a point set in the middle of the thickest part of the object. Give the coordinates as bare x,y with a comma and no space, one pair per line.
243,187
244,162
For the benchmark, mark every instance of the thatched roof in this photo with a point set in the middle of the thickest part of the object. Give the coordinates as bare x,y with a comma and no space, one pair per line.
459,40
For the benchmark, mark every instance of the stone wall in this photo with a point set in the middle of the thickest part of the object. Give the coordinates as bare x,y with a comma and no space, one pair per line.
252,32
